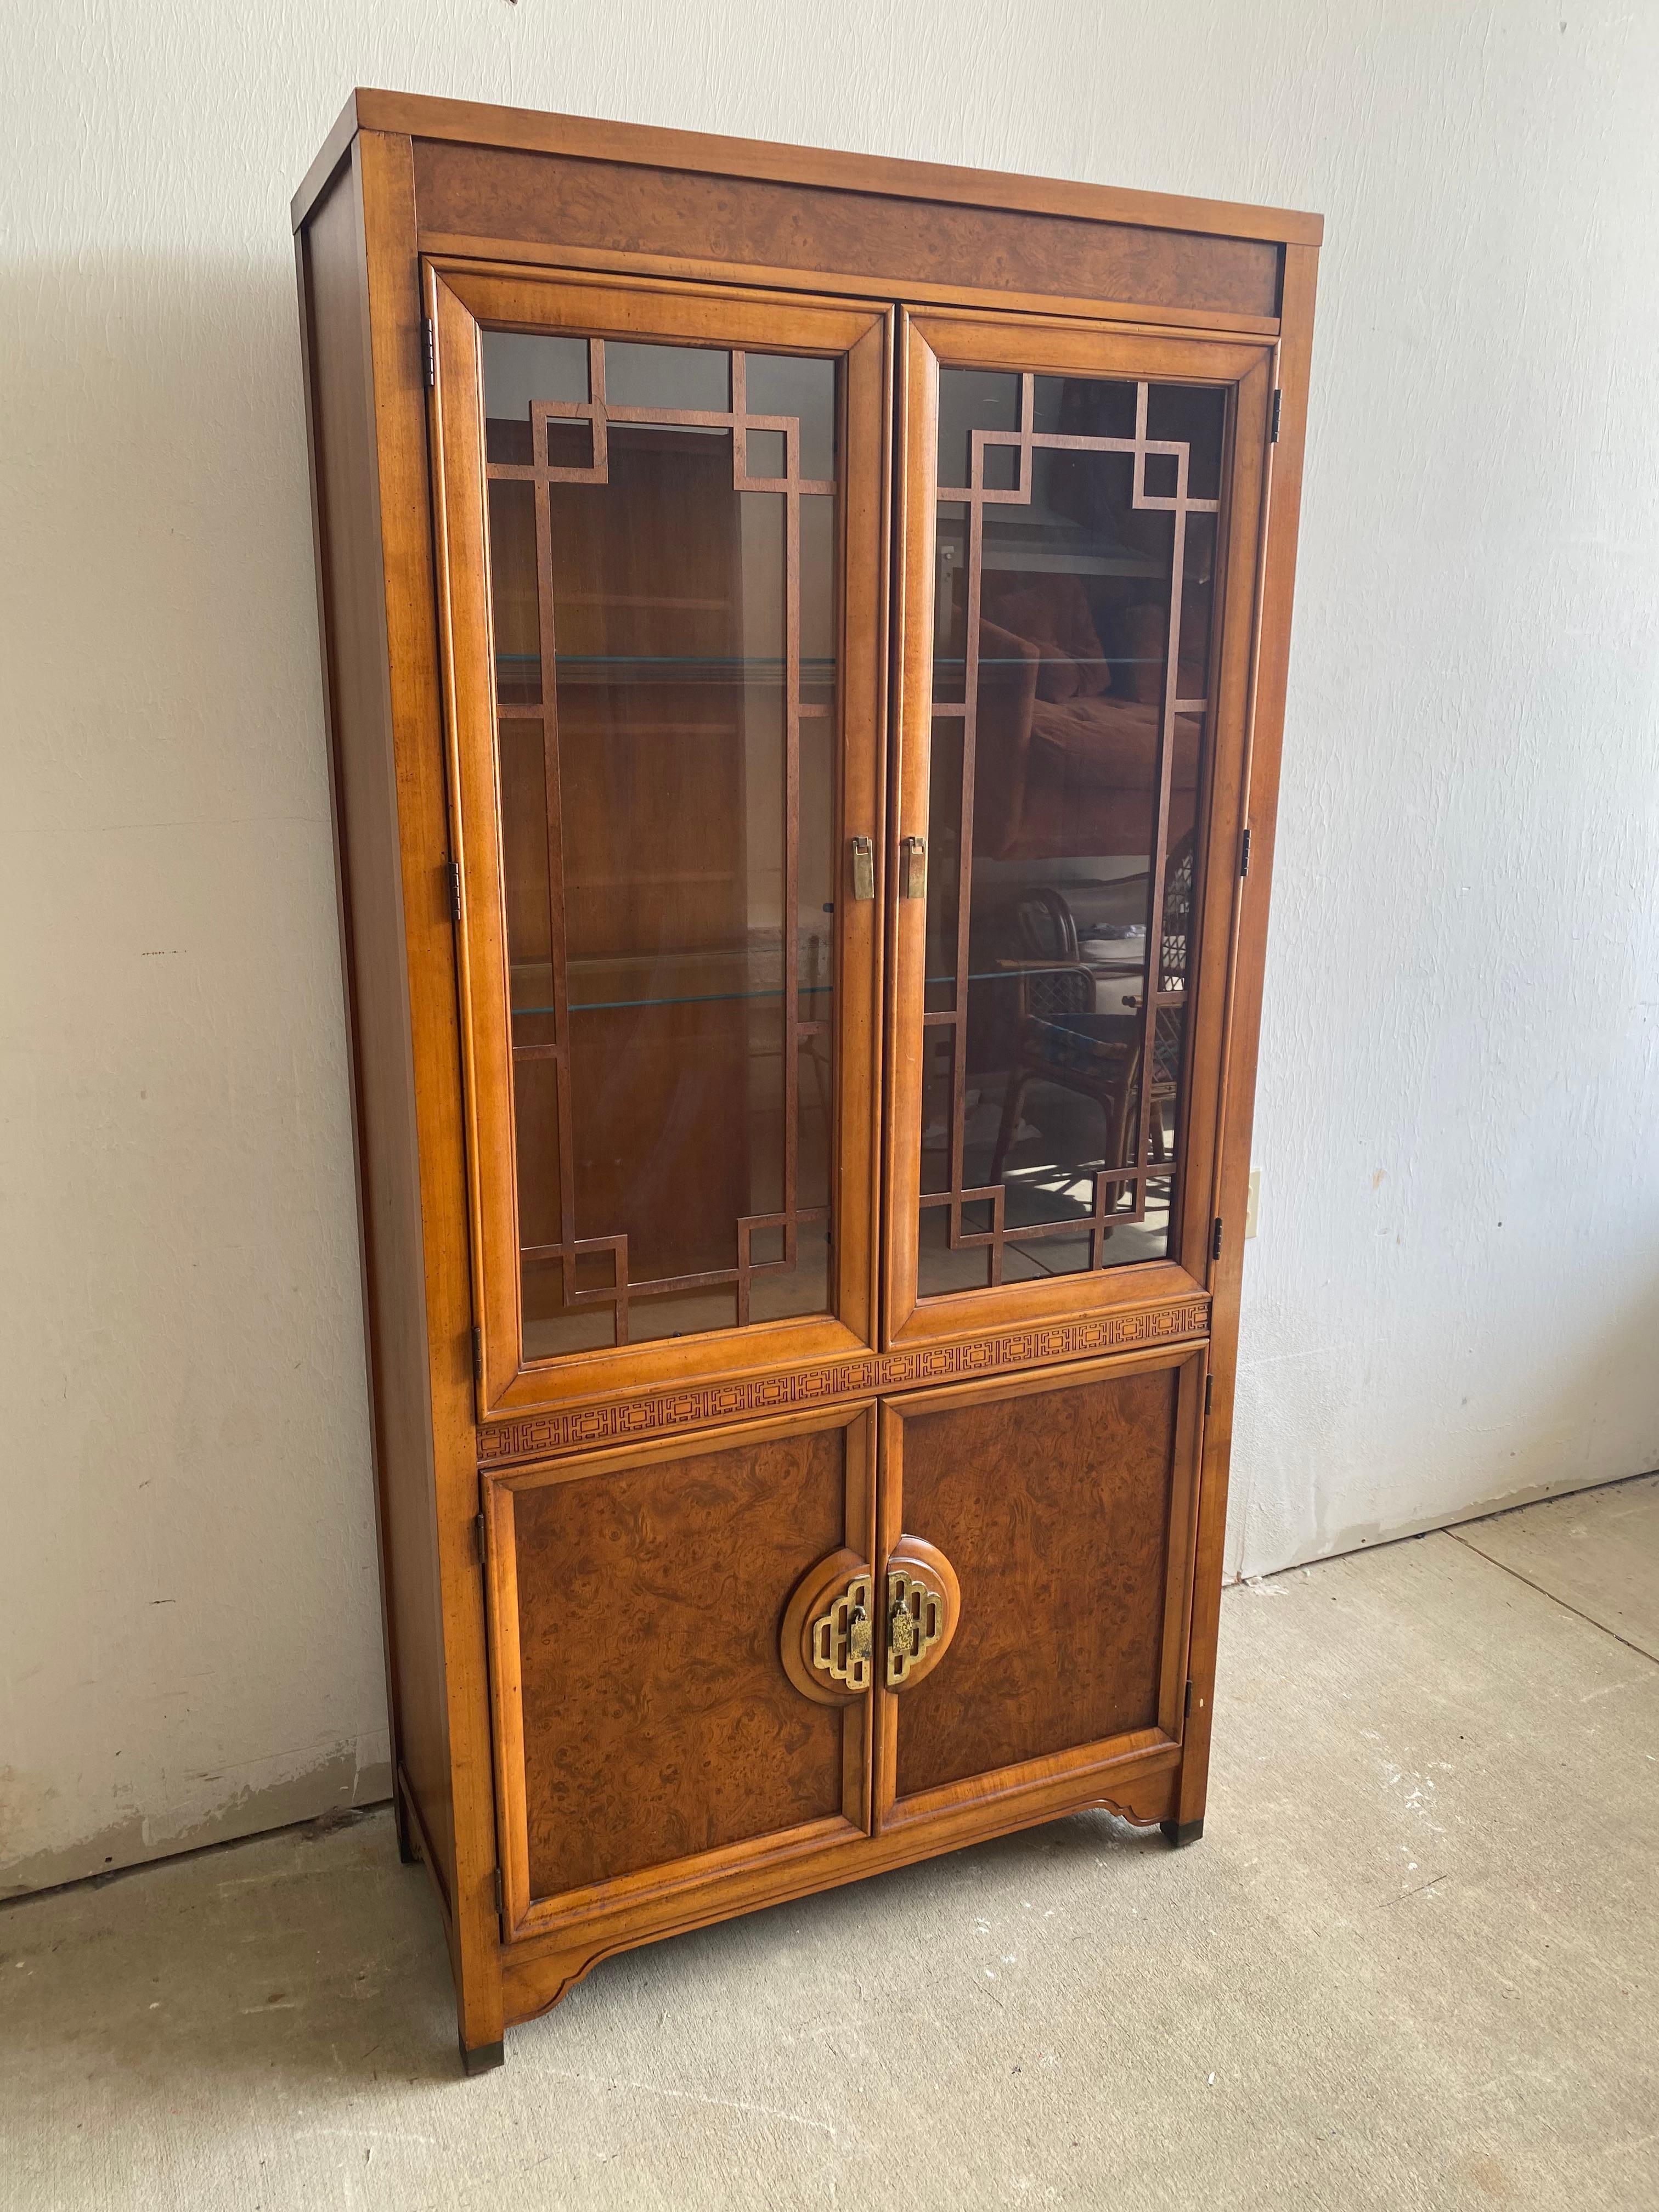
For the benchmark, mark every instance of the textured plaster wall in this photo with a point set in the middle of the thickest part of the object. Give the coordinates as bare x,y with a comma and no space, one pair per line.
1453,1298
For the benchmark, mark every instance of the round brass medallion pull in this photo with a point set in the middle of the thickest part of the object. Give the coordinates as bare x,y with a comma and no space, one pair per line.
829,1639
924,1603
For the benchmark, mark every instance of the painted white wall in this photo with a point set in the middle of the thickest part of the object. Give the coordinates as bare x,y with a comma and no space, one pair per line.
1453,1298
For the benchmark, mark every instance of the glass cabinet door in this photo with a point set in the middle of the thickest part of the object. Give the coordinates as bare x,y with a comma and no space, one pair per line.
1080,509
667,702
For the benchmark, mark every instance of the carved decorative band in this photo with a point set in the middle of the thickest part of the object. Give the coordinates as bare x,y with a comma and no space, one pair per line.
622,1420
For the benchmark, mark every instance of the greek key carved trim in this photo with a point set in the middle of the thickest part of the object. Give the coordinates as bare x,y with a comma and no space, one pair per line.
623,1420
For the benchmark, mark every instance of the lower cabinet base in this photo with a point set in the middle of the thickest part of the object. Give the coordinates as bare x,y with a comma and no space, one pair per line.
770,1658
538,1971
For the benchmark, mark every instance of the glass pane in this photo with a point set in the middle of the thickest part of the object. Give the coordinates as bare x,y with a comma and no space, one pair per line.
802,390
1062,815
667,749
971,400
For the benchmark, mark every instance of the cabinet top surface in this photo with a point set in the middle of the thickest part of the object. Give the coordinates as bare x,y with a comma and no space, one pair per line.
588,138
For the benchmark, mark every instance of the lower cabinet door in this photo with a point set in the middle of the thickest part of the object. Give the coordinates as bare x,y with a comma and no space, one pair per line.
1037,1539
680,1645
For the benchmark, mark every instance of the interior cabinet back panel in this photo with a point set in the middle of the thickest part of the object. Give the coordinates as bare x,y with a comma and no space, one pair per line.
1054,1508
464,191
658,1720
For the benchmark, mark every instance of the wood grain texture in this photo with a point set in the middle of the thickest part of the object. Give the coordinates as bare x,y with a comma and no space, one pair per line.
643,1763
541,1435
542,1967
927,343
461,301
659,1720
592,138
364,776
1054,1509
480,192
411,696
1281,495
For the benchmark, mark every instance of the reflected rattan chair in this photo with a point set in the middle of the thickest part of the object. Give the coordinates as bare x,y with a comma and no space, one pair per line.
1062,1039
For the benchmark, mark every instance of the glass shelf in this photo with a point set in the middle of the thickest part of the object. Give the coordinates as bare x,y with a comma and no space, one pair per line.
690,999
677,667
1048,660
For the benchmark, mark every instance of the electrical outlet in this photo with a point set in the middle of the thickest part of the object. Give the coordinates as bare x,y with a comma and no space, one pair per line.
1253,1204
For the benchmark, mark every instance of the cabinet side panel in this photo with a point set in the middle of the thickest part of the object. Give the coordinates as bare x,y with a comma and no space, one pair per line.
332,280
486,192
1054,1509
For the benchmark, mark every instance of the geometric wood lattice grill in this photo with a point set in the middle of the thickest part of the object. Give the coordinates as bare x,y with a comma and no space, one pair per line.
663,556
1075,555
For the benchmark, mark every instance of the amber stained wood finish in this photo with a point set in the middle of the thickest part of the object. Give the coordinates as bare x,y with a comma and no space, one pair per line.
727,219
590,138
1132,1326
381,663
461,302
1063,348
1065,1504
1055,1509
362,776
1281,500
1138,1785
726,224
647,1726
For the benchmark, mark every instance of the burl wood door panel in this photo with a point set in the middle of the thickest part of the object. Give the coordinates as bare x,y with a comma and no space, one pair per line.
648,1732
1065,1508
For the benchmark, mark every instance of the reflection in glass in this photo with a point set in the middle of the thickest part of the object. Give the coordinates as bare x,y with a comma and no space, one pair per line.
1075,547
662,577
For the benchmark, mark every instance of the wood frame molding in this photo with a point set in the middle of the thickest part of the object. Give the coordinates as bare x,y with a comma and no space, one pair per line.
1077,1767
1140,1786
460,301
415,207
927,343
524,1914
547,1436
588,138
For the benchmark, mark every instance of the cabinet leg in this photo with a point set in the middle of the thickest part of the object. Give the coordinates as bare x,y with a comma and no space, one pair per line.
1177,1832
483,2058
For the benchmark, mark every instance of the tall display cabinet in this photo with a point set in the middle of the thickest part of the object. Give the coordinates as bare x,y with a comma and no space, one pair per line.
805,647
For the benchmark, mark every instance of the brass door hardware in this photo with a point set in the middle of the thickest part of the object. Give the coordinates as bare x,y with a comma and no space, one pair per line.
829,1640
864,868
843,1638
923,1603
912,867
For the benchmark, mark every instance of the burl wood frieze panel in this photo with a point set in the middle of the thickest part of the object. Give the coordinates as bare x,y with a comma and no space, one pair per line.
1054,1508
488,193
540,1436
657,1719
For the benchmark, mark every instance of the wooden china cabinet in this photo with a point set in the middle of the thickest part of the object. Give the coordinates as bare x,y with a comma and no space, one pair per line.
805,644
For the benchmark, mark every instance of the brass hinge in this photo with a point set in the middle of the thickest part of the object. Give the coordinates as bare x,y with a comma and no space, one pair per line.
1209,1392
430,352
1187,1710
501,1895
1273,434
478,1356
454,873
1244,852
1215,1239
481,1539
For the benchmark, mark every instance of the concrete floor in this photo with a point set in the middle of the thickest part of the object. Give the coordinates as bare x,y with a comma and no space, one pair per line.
1413,1962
